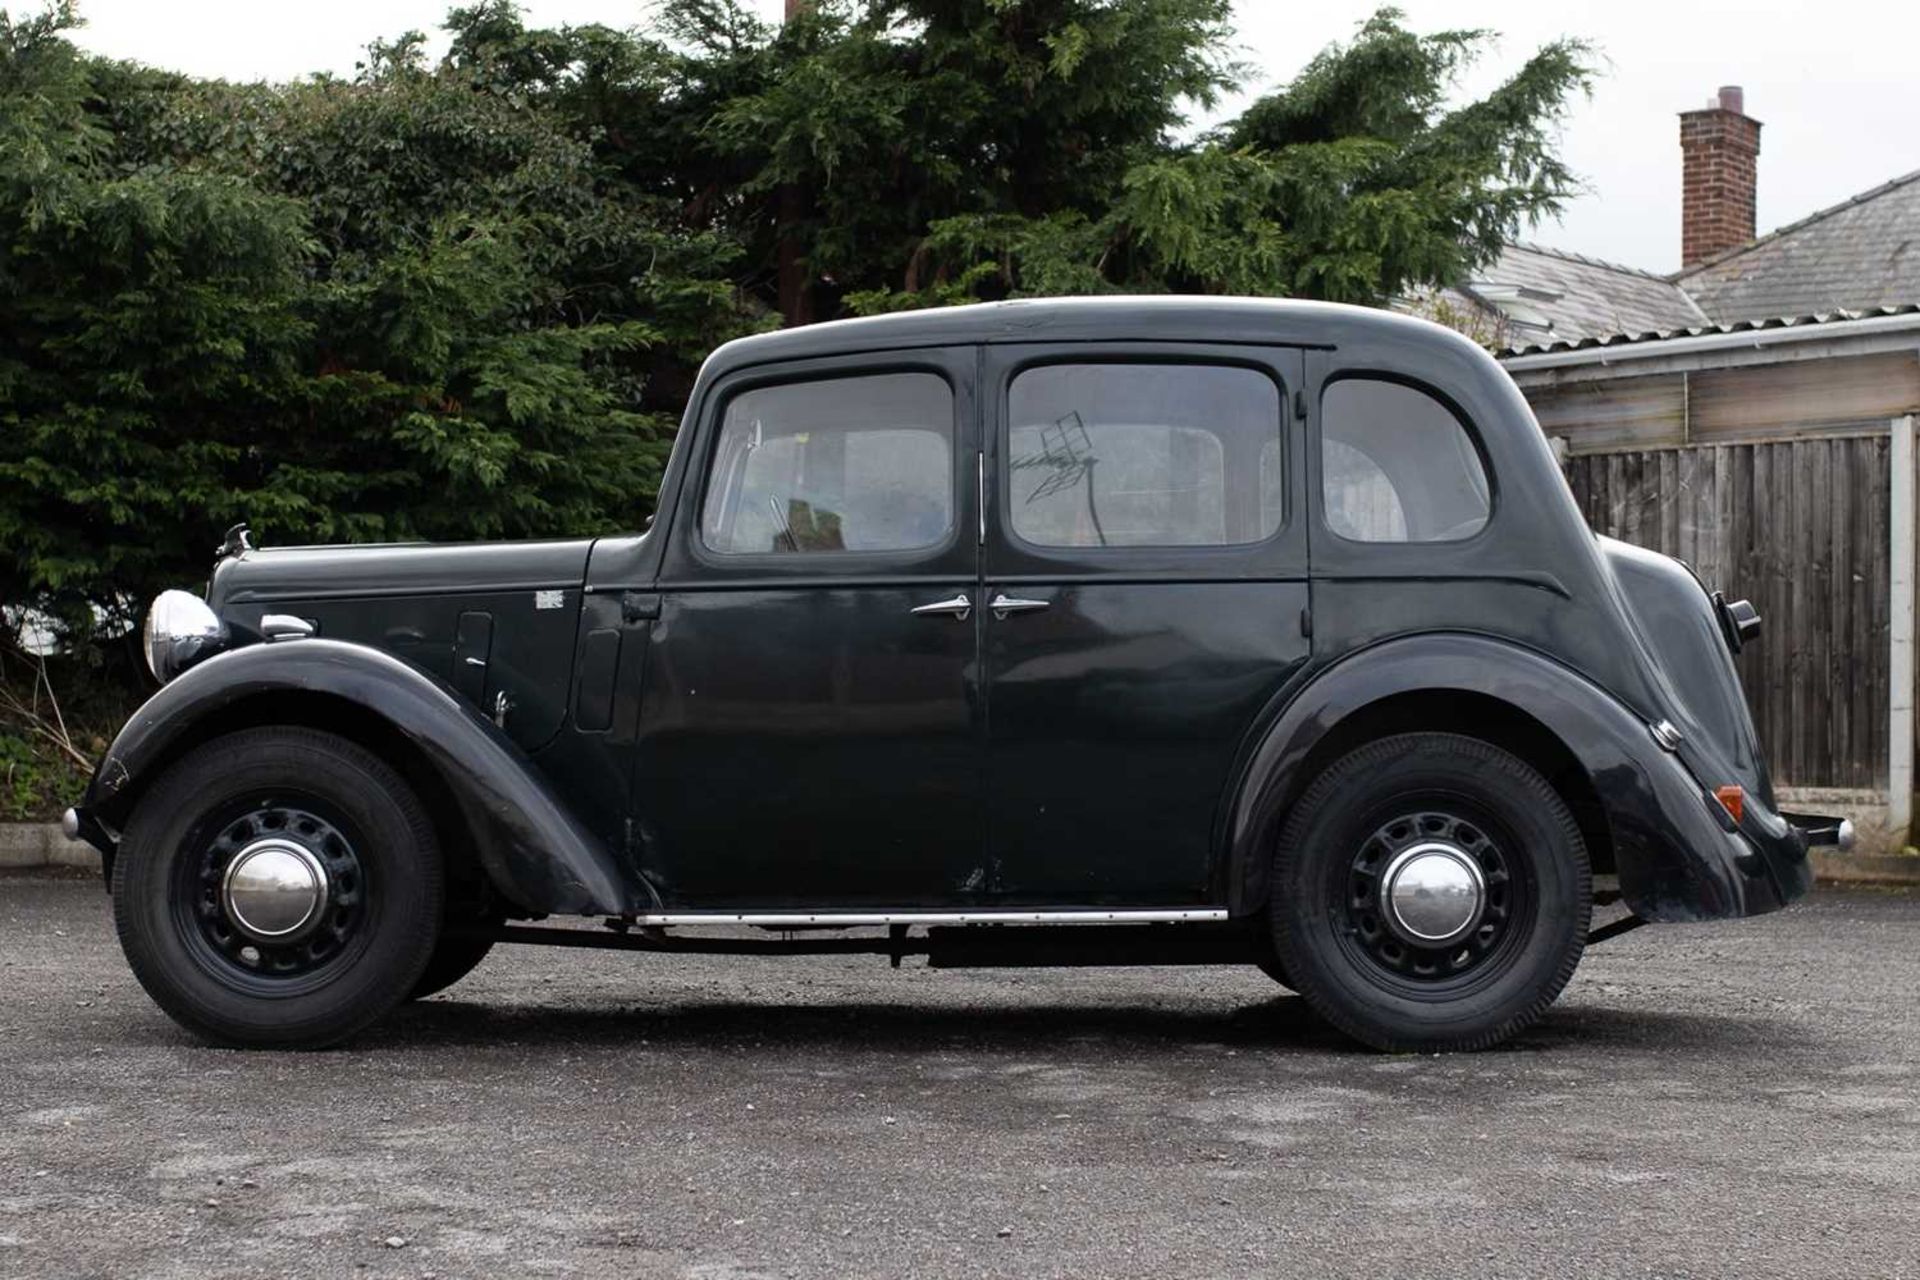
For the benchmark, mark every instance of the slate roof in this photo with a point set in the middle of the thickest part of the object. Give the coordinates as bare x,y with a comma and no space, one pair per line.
1860,257
1860,254
1549,295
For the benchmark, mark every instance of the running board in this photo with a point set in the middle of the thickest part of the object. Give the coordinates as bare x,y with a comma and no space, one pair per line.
908,916
1209,940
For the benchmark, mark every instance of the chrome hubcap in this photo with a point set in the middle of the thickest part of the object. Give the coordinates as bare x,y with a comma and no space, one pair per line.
275,890
1432,896
1432,893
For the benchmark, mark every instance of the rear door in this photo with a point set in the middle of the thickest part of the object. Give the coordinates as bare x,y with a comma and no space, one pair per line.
810,718
1148,559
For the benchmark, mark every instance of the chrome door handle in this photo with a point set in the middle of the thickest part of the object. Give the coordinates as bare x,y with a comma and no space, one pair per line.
958,607
1004,604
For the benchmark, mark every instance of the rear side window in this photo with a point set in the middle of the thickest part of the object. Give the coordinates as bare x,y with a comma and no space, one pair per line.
1398,466
838,465
1144,455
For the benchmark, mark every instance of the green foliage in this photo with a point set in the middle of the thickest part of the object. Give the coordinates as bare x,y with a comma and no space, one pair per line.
410,305
21,781
916,125
1355,183
44,741
466,299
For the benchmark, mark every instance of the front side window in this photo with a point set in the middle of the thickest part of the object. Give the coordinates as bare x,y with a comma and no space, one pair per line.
836,465
1144,455
1397,466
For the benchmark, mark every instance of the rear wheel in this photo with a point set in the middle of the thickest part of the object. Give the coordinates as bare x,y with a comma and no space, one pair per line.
453,959
1431,892
278,887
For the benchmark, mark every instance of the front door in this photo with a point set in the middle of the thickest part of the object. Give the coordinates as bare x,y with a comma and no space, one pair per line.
1147,558
808,729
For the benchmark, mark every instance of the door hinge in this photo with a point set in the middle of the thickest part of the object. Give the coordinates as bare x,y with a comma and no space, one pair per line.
1306,623
639,606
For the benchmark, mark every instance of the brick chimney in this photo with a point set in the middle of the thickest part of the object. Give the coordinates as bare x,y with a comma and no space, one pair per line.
1719,145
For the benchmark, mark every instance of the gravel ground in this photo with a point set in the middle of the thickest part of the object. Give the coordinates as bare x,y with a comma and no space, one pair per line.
1739,1099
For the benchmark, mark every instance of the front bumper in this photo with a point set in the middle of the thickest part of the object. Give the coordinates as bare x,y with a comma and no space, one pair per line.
79,825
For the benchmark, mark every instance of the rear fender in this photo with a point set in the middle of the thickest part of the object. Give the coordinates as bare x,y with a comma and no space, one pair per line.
537,855
1676,858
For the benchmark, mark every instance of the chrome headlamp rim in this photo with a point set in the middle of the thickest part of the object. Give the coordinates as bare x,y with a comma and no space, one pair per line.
180,630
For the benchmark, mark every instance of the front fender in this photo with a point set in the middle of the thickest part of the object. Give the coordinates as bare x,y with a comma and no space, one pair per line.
1676,854
535,852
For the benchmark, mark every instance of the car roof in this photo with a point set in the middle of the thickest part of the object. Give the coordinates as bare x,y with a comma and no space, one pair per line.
1158,318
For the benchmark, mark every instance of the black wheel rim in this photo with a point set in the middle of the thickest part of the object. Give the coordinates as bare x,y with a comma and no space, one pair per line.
255,965
1435,972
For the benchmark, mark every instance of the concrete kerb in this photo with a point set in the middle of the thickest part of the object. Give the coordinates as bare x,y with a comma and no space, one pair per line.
31,845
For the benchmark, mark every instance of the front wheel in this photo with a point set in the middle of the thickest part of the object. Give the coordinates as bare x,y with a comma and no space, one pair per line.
1430,892
278,887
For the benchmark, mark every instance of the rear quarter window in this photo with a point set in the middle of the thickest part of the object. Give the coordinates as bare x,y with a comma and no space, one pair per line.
1397,465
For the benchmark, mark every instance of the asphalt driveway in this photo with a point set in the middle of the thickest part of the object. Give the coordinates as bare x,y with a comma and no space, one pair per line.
1735,1099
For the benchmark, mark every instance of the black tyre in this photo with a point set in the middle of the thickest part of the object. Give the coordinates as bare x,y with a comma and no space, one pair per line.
278,887
452,960
1430,892
1272,967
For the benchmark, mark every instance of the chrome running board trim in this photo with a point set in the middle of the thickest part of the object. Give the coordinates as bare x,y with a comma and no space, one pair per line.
848,919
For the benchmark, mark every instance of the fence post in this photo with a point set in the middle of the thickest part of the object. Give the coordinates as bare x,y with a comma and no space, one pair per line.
1900,628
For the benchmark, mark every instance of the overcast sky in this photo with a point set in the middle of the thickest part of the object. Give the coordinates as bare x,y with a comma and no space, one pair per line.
1837,84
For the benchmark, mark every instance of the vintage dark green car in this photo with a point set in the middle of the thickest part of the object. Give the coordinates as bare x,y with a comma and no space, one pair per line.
1130,631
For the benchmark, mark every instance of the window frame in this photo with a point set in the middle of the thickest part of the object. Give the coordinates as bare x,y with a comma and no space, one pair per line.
1282,554
689,556
736,466
1318,480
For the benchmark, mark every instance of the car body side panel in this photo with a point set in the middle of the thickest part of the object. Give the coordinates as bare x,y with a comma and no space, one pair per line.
528,659
1677,857
1116,714
811,746
532,846
1535,574
804,736
418,600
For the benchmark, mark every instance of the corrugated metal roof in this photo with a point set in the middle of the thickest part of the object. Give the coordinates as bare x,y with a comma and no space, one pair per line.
1694,331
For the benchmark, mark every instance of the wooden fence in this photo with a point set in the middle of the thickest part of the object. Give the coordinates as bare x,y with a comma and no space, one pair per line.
1800,528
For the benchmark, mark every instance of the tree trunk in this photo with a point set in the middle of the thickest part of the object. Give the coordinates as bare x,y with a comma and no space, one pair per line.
790,209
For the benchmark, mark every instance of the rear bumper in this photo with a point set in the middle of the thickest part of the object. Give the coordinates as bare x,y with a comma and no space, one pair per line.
1822,830
1780,846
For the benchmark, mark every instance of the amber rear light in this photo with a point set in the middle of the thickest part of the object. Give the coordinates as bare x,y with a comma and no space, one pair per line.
1732,798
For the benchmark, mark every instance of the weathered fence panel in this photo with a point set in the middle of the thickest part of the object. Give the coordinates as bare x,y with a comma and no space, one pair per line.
1800,528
